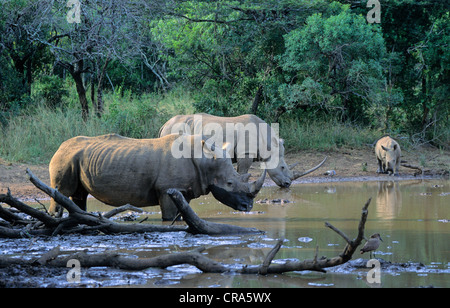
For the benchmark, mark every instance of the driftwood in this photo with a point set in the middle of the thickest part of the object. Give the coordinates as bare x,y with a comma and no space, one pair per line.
413,167
200,226
80,221
57,258
427,172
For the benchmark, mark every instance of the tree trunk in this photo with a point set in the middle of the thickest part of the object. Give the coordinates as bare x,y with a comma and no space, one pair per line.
94,103
75,72
81,94
99,109
257,99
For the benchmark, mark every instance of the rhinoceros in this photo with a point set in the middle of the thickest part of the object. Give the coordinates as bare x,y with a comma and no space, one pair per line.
118,170
243,129
388,153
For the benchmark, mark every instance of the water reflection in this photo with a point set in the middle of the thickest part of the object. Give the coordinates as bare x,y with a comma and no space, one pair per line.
389,199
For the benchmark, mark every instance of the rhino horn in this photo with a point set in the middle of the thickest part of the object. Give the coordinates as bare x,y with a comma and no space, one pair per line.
299,174
256,186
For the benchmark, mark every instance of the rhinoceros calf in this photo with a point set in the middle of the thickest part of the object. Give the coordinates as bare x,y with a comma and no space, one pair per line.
388,153
241,132
118,170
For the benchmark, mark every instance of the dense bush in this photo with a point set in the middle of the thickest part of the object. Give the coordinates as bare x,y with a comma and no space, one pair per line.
305,64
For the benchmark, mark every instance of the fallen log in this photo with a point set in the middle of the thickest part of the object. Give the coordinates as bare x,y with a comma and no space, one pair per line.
413,167
79,221
57,258
200,226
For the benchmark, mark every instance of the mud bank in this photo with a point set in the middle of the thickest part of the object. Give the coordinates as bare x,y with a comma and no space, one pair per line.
155,244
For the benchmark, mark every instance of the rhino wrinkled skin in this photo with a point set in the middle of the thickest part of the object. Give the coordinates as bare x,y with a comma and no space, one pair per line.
117,170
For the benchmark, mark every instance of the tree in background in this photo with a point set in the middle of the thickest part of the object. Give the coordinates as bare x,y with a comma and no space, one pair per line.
335,63
279,59
20,55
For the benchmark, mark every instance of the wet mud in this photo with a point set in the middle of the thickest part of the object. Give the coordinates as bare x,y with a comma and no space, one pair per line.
233,249
412,216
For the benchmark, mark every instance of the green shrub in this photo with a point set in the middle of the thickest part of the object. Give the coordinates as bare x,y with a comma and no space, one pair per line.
51,90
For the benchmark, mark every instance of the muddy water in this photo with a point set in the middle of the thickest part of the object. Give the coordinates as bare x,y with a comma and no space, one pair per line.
411,216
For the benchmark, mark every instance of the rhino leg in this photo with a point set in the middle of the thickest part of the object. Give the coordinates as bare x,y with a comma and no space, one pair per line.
397,165
80,197
380,166
168,208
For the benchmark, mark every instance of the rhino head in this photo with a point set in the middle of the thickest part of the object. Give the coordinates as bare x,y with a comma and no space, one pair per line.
282,174
390,160
227,185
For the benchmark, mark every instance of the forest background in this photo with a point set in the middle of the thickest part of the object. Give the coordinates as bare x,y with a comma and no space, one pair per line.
322,69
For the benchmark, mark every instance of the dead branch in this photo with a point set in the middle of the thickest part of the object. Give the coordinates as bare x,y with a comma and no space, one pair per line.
269,258
200,226
80,221
120,209
413,167
57,258
22,207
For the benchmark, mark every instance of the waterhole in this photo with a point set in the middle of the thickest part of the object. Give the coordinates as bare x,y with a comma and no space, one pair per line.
412,218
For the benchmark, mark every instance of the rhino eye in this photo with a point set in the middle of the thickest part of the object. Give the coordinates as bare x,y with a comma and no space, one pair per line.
230,183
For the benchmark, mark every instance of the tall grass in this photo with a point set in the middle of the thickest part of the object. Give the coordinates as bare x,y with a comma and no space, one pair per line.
324,135
35,133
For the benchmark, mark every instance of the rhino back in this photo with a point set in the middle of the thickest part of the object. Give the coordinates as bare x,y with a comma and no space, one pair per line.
119,170
197,122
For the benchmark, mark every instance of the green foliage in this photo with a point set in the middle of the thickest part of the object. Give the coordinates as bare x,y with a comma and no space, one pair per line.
12,92
313,66
35,134
336,62
51,90
218,98
418,33
324,135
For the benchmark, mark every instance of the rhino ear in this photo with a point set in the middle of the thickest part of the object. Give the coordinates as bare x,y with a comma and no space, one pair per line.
226,146
245,177
384,148
395,147
208,150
